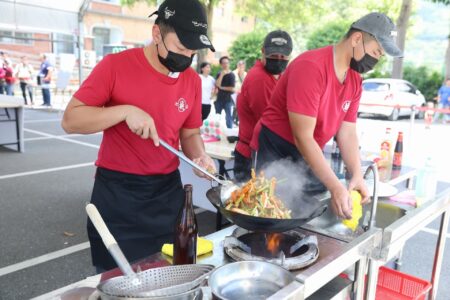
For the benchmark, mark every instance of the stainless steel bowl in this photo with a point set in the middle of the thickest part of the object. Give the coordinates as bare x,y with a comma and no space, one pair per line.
248,280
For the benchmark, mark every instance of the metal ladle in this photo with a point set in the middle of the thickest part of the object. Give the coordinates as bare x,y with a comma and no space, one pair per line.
227,186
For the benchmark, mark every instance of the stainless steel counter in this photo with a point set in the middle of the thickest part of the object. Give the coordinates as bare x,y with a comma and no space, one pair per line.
396,234
335,257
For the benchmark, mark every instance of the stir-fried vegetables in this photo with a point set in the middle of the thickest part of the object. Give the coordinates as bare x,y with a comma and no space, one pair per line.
257,198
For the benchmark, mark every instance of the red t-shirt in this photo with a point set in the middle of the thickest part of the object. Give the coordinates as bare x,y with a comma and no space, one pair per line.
173,103
309,86
255,93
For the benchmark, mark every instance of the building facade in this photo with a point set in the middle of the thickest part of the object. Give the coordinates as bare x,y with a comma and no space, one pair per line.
33,27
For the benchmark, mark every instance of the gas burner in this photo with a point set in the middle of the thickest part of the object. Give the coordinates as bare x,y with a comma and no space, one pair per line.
291,249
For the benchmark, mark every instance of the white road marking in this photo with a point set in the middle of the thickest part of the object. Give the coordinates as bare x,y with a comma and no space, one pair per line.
37,139
43,258
46,170
42,121
61,138
434,232
54,255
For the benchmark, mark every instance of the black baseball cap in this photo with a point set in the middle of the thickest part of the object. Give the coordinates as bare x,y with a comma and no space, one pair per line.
189,20
383,29
277,42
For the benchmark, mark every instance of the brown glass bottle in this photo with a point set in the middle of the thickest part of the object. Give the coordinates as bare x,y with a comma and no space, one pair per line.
186,230
398,152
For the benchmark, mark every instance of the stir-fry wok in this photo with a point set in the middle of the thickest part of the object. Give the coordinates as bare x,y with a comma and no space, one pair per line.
257,198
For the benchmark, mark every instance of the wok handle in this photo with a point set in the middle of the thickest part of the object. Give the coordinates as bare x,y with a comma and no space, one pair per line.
190,162
109,241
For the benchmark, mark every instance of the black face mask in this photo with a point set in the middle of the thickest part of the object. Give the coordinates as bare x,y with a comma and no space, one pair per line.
174,62
275,66
363,65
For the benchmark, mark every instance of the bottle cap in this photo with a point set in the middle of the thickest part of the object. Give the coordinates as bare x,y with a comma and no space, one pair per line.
188,187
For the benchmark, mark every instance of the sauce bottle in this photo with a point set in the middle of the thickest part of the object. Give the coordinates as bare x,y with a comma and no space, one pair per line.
385,150
398,153
186,230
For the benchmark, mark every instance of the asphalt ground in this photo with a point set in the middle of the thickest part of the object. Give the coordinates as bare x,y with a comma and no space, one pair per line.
43,191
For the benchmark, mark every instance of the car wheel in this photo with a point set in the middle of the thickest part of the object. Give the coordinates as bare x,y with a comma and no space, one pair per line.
394,115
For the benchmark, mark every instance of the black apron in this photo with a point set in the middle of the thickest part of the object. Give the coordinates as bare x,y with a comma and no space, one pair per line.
140,211
273,148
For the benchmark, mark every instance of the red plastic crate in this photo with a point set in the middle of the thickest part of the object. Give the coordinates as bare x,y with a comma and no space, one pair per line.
395,285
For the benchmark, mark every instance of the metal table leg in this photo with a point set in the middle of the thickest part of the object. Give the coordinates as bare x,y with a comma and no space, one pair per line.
438,256
372,279
358,285
16,111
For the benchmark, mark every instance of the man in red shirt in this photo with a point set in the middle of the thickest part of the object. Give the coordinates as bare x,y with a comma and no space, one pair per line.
255,94
318,97
136,97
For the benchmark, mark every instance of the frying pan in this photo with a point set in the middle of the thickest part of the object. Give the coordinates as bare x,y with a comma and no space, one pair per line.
311,210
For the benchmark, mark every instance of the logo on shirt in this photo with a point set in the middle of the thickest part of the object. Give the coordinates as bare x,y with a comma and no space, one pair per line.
182,105
346,105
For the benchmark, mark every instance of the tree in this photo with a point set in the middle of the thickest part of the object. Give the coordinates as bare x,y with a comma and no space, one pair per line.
402,27
330,33
247,47
447,53
293,16
425,79
447,59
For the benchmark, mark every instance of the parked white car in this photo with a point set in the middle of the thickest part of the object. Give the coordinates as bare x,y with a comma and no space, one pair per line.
387,91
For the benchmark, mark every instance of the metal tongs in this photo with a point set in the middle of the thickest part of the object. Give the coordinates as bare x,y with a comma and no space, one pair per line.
227,186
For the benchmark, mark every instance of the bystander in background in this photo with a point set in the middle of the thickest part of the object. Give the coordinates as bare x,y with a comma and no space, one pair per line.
208,88
443,101
44,78
239,74
225,83
8,77
24,72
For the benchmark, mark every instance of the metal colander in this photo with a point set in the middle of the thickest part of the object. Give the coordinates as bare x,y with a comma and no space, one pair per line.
164,281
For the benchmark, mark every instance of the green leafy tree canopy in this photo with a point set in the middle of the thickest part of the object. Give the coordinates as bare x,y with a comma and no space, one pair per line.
329,34
247,47
426,80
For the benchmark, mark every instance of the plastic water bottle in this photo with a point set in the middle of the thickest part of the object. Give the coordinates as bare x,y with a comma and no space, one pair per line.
426,182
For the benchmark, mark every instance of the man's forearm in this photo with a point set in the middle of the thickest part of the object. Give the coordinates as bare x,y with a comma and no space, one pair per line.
192,145
90,119
348,145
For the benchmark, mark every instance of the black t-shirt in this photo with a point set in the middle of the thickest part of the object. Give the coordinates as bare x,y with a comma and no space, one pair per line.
228,80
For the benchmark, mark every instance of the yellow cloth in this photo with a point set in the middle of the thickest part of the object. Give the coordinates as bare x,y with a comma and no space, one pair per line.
356,212
203,246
